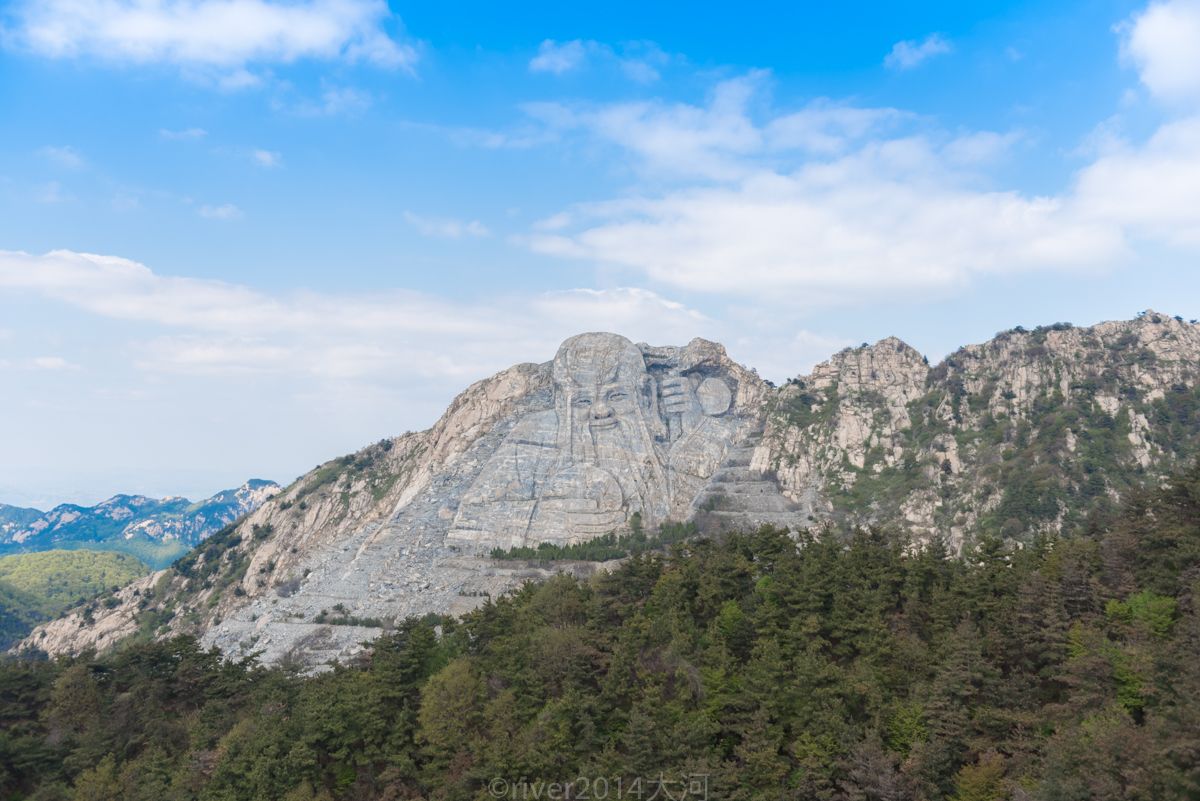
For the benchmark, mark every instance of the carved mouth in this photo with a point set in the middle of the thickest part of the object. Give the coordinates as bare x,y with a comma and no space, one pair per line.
607,422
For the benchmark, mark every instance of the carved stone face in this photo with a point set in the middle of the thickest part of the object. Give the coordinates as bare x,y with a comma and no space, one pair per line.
630,431
607,416
604,397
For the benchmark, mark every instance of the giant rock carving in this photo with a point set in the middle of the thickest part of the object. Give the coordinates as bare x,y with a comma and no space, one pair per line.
633,429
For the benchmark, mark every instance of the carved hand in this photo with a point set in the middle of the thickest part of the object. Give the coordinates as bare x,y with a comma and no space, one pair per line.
679,397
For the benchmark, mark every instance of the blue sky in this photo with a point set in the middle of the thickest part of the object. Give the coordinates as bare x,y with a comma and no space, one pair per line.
238,238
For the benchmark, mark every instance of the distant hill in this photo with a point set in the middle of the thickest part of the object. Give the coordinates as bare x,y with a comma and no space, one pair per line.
14,519
156,531
40,586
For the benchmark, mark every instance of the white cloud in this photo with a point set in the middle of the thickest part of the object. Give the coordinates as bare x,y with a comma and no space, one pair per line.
230,81
720,140
671,138
983,147
639,61
909,53
228,34
1163,42
51,363
64,156
825,127
267,158
226,211
557,58
218,327
343,100
832,233
833,203
1151,190
332,101
446,227
184,134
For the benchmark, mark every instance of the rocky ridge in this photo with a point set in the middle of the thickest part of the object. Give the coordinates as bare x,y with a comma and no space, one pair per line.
157,530
1033,431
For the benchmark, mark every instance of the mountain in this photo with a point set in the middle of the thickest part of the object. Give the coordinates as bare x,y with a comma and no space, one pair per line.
14,519
157,531
1030,433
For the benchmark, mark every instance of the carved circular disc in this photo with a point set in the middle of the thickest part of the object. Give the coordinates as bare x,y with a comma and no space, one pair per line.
715,396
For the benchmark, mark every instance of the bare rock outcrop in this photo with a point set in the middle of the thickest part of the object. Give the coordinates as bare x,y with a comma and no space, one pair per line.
1030,432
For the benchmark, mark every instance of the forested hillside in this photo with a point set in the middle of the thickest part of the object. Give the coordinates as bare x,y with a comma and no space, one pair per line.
40,586
828,668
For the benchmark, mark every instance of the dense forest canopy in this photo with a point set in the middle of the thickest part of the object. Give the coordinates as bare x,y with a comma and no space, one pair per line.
831,667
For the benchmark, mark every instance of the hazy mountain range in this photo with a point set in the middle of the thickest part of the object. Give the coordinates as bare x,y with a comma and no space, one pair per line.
156,530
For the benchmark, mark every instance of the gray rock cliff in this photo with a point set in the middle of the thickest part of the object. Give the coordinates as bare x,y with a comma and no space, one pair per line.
1033,431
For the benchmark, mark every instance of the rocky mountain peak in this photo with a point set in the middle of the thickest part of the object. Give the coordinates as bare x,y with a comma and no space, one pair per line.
1029,432
890,366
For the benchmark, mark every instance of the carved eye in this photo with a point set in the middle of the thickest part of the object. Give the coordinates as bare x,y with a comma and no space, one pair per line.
617,396
583,401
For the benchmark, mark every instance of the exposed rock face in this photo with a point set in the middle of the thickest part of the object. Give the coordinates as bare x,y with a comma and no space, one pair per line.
1029,432
850,407
631,430
559,452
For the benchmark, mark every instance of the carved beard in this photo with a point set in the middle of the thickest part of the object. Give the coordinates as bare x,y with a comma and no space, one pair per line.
623,448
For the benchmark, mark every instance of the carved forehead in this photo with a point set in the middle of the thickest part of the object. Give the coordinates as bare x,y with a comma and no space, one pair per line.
597,358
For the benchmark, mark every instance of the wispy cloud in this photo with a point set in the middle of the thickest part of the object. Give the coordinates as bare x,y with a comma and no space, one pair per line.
267,158
446,227
226,36
51,364
718,140
639,61
910,53
833,203
225,211
558,57
63,156
331,101
185,134
214,326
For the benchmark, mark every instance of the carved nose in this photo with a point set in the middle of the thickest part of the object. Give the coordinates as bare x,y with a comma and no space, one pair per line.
600,411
